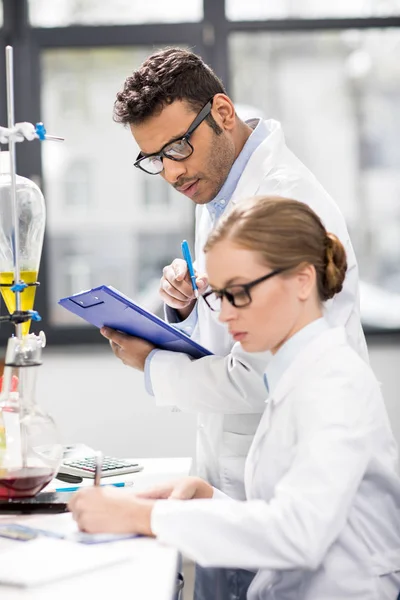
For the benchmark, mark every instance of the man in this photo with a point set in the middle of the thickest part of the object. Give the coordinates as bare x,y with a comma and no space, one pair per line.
188,132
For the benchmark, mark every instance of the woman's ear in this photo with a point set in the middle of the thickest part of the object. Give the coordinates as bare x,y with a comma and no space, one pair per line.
306,277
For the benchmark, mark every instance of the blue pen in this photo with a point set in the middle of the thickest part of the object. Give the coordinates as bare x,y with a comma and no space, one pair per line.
79,487
188,259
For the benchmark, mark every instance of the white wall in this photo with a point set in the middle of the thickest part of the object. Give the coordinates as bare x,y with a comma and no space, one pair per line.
97,400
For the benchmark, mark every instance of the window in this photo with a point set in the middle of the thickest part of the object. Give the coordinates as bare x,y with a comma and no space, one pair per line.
47,13
253,10
99,205
343,123
155,251
156,193
327,69
76,273
79,260
77,180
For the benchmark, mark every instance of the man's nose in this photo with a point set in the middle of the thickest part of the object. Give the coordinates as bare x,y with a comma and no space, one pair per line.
173,170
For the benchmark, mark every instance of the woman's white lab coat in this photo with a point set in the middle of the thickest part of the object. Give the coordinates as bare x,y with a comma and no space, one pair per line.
227,390
323,517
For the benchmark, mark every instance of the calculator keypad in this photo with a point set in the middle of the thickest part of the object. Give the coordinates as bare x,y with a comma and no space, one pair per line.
109,464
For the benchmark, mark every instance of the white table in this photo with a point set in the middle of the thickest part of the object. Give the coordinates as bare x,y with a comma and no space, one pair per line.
150,573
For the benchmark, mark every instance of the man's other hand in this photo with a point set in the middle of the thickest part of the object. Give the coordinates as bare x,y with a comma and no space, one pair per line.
131,350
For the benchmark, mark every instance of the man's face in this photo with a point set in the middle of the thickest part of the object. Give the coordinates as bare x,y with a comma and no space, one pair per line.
203,173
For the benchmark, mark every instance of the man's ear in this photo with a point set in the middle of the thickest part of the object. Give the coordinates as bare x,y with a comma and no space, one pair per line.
306,277
223,111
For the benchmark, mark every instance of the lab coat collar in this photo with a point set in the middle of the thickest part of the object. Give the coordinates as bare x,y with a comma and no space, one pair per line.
260,132
262,161
318,345
282,360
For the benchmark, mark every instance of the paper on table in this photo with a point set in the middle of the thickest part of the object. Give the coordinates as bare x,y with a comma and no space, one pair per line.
64,526
46,559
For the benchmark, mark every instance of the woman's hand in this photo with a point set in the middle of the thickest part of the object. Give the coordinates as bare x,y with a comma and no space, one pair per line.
187,488
107,510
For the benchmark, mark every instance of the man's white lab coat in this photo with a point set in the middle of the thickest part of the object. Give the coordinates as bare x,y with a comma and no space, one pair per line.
227,390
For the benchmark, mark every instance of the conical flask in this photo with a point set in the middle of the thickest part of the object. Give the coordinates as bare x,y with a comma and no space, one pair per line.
31,215
30,448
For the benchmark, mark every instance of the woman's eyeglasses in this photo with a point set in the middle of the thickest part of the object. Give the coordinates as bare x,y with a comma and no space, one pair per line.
177,150
237,295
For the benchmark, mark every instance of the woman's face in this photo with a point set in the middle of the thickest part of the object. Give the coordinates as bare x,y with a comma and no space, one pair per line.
280,305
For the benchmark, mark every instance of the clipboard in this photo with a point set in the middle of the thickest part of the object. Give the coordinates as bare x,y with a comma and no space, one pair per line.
104,306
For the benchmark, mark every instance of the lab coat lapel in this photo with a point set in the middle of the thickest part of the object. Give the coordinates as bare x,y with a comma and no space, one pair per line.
254,452
329,340
261,162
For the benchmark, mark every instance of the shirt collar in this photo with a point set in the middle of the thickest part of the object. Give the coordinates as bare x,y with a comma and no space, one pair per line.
288,352
260,132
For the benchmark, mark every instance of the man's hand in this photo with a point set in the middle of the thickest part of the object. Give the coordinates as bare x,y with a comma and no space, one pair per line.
131,350
108,510
176,287
187,488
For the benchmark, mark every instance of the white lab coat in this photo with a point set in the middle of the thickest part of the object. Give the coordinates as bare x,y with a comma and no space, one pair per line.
227,390
322,521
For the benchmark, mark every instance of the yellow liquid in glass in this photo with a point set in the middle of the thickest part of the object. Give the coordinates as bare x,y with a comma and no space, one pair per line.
27,296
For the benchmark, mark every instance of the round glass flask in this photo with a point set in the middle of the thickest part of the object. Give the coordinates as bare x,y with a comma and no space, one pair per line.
30,449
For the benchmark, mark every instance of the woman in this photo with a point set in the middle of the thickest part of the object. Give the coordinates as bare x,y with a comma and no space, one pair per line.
322,516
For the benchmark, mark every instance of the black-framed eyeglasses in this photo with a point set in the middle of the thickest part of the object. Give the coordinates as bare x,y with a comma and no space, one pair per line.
237,295
178,149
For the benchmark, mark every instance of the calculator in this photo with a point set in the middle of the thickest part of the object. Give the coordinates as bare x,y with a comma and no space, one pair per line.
80,460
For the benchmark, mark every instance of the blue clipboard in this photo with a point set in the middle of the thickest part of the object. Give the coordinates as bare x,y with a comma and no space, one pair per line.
105,306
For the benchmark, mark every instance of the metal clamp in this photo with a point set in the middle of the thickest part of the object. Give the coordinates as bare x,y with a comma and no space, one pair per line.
26,131
19,287
21,316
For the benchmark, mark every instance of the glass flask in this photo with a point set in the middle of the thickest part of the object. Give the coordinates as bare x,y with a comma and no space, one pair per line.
31,215
30,449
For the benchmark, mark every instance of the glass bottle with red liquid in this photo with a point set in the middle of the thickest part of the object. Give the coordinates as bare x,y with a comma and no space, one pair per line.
30,450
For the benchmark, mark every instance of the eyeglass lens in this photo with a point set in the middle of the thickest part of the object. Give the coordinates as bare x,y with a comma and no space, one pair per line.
236,296
179,150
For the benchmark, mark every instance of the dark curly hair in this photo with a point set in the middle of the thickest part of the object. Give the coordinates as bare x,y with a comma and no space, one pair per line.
165,76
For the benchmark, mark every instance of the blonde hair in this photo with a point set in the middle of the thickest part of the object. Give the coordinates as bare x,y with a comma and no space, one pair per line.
287,234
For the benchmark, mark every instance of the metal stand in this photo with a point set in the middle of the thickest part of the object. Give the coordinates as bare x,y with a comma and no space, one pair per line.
10,135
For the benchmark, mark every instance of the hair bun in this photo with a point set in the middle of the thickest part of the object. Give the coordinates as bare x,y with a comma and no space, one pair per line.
335,266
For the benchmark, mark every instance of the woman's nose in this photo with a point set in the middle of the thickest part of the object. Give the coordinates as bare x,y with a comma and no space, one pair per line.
227,312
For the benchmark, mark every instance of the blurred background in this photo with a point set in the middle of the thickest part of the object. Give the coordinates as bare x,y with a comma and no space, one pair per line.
329,71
